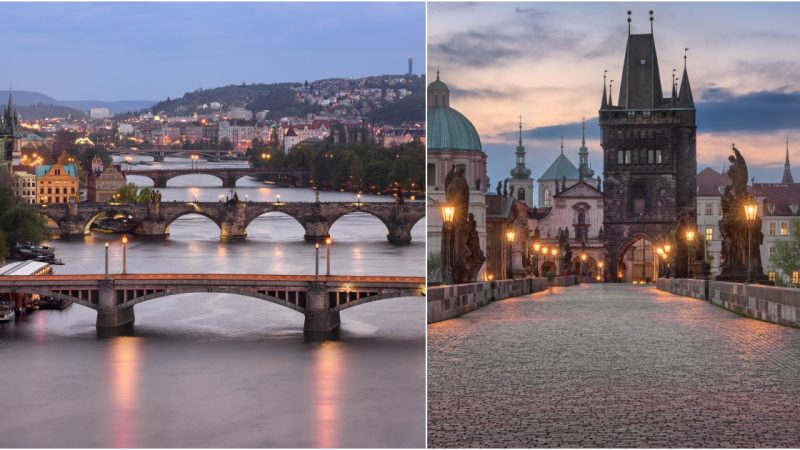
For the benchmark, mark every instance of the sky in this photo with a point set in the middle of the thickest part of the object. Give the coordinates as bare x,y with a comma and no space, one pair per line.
545,61
149,51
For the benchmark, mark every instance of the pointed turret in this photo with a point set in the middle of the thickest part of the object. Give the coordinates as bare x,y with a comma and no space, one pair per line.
685,99
604,100
584,170
674,99
787,169
520,172
640,87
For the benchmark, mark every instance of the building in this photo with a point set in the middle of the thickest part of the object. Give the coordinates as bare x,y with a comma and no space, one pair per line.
521,183
504,258
710,188
290,139
650,165
57,183
10,137
453,142
99,113
779,205
559,175
24,187
102,184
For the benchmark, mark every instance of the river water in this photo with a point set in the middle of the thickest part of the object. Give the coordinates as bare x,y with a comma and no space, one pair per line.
218,370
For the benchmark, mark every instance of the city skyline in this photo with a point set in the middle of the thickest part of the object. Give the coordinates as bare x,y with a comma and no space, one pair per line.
550,60
151,51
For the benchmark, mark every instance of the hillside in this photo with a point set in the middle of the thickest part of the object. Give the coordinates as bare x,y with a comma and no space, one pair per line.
29,98
262,96
43,111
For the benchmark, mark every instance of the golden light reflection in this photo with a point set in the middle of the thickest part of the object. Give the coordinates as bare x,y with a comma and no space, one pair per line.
124,380
328,375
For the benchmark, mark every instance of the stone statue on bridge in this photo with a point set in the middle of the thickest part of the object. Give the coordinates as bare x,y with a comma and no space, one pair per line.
739,236
460,245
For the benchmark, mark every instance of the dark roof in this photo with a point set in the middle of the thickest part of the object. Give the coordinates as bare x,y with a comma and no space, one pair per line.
685,99
640,86
709,182
779,194
290,131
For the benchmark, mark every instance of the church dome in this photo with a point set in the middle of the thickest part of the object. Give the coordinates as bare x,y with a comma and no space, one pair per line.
448,129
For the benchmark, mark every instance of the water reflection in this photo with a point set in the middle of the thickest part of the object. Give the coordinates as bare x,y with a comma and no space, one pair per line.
328,379
123,373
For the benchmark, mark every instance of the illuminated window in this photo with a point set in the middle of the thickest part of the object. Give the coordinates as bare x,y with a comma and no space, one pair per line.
772,276
784,229
796,277
709,233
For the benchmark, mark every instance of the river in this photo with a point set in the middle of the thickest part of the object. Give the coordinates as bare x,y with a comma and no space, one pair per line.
218,370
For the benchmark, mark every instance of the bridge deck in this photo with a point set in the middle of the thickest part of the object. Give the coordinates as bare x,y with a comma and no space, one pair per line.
215,277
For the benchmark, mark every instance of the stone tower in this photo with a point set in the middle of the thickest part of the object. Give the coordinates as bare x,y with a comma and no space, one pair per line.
649,151
787,168
521,182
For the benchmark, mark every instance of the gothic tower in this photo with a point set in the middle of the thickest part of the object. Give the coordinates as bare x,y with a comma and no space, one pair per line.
787,168
521,182
649,153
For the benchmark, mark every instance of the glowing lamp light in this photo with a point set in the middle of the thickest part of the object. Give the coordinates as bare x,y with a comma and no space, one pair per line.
600,264
544,250
510,234
554,252
750,211
447,213
124,239
328,241
536,247
690,236
583,257
667,248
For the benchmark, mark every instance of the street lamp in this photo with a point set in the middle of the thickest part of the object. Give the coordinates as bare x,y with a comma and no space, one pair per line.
510,235
536,247
316,265
554,252
689,241
106,276
602,272
667,248
328,243
448,212
750,211
583,260
358,196
124,255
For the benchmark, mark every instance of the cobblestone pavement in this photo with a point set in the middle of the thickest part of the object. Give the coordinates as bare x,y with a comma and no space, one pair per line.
611,366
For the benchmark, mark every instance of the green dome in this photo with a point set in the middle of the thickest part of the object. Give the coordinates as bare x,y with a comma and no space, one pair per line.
448,129
439,85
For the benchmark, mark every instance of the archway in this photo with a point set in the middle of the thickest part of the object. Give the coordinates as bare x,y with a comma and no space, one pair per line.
140,181
193,226
637,261
548,268
589,266
358,226
275,226
195,180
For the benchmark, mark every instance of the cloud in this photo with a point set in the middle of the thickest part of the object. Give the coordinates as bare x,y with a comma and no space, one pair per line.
756,112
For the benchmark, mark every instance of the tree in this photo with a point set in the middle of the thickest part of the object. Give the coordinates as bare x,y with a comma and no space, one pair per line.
144,195
22,223
786,256
127,193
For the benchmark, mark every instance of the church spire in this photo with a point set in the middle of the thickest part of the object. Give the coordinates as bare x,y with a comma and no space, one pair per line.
520,130
520,172
674,99
584,169
787,169
562,145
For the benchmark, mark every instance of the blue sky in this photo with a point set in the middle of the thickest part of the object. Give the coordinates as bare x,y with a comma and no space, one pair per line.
116,51
545,61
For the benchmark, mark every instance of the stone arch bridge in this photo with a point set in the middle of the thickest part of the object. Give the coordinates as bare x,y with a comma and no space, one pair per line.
229,177
233,217
158,154
319,299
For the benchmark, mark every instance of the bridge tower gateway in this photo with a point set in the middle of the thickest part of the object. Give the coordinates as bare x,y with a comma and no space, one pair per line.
650,165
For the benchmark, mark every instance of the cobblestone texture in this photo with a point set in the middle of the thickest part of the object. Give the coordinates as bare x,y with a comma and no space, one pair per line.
611,366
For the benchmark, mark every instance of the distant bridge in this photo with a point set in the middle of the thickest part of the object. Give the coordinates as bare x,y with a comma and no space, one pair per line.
233,217
158,154
229,177
320,299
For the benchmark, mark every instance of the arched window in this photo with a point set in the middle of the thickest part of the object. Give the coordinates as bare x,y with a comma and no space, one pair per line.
521,194
546,198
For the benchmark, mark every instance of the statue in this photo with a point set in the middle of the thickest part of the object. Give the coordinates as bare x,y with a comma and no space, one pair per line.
505,187
499,188
739,236
460,243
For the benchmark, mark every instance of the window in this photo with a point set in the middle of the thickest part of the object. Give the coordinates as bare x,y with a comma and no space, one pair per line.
772,276
771,251
709,209
521,194
659,159
620,157
431,174
771,207
627,156
784,229
796,278
772,228
709,234
546,196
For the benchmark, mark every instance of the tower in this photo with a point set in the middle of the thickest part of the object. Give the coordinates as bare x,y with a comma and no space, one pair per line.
521,182
649,151
787,169
584,171
410,66
10,139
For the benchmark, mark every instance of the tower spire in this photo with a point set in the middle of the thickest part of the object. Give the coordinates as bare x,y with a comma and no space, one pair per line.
651,21
610,93
629,22
562,145
787,169
604,101
685,99
583,132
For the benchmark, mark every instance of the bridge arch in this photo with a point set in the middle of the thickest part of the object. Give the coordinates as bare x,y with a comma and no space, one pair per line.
360,214
83,297
292,299
197,211
341,300
174,177
277,214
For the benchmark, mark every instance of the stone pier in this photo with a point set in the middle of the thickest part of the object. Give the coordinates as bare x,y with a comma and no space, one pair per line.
321,322
109,315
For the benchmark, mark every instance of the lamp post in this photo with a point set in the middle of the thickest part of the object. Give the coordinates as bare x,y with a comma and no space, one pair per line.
106,276
554,252
328,243
583,260
124,255
316,265
602,272
447,215
536,247
660,260
689,241
667,248
750,211
358,196
510,235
